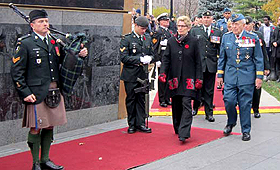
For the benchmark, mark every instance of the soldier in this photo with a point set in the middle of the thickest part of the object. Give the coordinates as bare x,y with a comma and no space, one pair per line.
257,92
222,23
35,73
159,40
136,51
240,67
209,38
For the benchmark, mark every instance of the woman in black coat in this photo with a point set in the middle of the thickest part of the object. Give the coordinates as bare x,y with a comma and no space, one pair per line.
181,64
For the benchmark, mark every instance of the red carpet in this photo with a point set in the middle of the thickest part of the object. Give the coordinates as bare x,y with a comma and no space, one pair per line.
116,149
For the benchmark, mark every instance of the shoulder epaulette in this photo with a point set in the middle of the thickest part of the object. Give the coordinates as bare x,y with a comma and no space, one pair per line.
24,37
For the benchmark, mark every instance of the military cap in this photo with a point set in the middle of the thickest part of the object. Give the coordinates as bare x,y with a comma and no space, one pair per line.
142,21
227,10
35,14
207,13
199,15
163,16
237,17
138,11
248,19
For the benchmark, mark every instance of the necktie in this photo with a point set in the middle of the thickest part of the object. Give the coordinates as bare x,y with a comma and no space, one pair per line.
45,41
207,31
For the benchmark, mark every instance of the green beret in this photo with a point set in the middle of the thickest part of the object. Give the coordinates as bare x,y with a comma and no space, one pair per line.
36,14
142,21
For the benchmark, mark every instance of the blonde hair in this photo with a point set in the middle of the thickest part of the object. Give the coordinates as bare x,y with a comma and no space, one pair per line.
185,19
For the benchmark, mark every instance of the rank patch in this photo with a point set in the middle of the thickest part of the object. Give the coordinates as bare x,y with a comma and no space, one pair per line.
16,59
122,49
154,40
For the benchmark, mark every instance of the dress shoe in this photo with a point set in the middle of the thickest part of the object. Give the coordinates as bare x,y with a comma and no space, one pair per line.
144,129
49,165
131,130
246,136
182,139
36,166
257,115
163,104
210,118
168,103
228,129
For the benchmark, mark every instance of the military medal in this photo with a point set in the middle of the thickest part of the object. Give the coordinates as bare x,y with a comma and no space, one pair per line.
237,57
215,39
57,51
38,61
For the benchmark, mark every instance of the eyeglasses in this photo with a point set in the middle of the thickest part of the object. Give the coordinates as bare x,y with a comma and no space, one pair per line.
182,26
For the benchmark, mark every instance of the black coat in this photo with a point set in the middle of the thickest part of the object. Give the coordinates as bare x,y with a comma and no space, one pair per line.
208,50
131,49
276,38
35,66
182,65
263,46
160,35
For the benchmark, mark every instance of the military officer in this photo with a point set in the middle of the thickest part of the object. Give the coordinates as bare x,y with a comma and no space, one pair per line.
240,67
35,73
209,38
222,23
136,51
159,39
257,92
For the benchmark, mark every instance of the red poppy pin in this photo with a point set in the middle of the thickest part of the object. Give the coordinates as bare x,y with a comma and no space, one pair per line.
254,40
212,31
144,38
243,38
187,46
52,41
273,27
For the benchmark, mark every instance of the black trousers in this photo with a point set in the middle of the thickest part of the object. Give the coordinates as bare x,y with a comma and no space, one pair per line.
256,100
135,105
182,115
207,93
162,88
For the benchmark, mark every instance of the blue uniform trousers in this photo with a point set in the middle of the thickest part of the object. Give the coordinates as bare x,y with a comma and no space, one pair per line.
241,95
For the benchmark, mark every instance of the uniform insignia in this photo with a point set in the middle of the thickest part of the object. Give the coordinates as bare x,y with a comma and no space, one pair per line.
18,43
36,37
122,49
38,61
17,49
134,50
247,56
57,51
154,40
18,85
215,39
16,59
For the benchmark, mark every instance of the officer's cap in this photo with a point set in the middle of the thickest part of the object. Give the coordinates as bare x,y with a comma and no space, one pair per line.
237,17
227,10
207,13
248,19
142,21
36,14
163,16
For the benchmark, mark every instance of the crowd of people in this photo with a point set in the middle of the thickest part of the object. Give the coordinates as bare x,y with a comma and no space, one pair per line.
191,55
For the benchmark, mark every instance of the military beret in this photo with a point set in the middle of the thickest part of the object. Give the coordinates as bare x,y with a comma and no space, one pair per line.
163,16
227,10
207,13
142,21
36,14
199,15
237,17
248,19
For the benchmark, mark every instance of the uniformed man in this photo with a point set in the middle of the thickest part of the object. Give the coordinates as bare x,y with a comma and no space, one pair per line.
222,23
240,67
136,51
35,73
257,92
209,38
159,40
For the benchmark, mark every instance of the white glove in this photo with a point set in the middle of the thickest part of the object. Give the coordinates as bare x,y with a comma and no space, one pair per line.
158,63
164,42
146,59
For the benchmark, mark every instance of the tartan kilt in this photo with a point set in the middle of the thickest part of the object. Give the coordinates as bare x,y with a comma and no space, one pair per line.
71,69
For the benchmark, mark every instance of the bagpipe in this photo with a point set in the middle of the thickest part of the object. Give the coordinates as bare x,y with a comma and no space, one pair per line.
72,65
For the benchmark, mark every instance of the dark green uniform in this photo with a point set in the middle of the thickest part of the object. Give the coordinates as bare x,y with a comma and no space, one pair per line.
132,47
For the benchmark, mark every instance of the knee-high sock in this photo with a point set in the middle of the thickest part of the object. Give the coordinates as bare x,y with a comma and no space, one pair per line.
33,142
46,140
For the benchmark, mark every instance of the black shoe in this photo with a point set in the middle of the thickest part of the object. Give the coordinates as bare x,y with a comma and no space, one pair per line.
194,112
131,130
182,139
163,104
210,118
36,166
257,115
49,165
228,129
214,105
246,136
168,103
144,129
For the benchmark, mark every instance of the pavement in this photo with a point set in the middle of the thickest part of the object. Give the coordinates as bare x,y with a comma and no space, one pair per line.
262,152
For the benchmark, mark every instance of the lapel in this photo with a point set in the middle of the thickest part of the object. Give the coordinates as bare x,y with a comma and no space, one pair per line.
39,42
203,32
50,44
